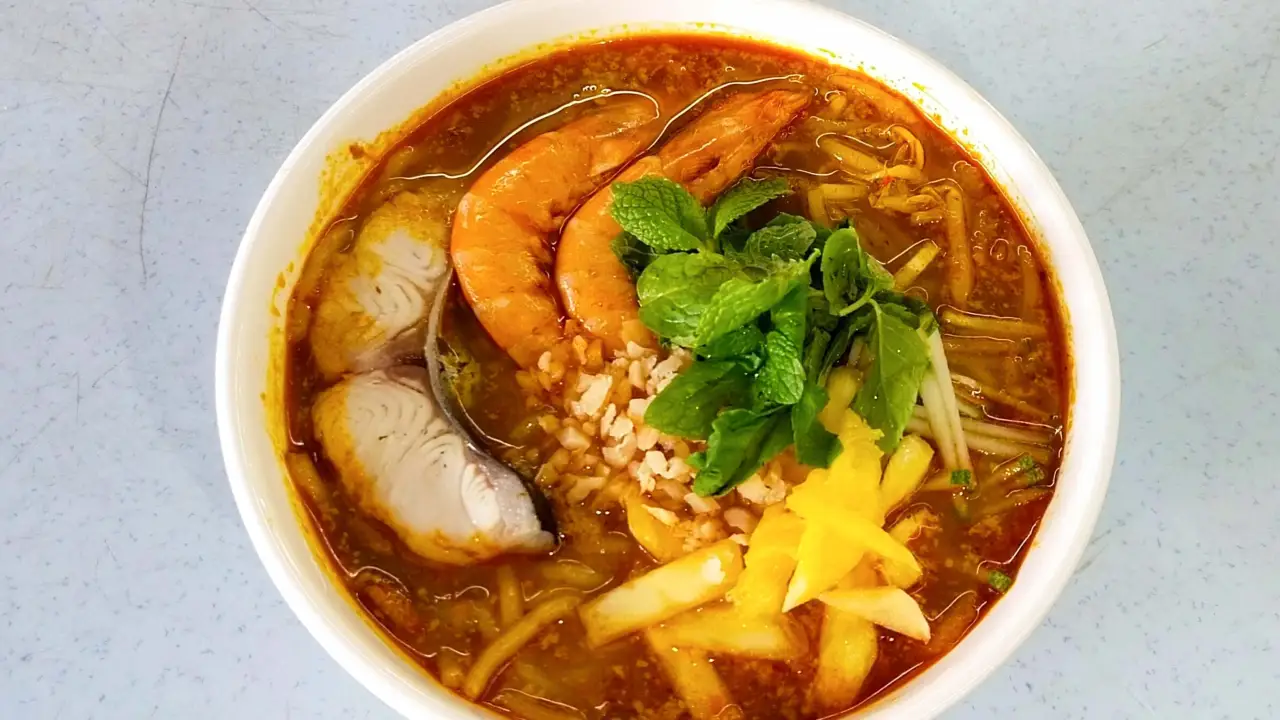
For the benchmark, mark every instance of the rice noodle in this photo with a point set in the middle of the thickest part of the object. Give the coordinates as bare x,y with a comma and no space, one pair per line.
900,172
892,106
510,597
942,376
908,273
1015,471
1014,499
851,160
969,408
506,645
835,106
1005,432
480,616
1008,448
981,443
959,256
572,573
940,482
999,397
916,149
925,217
994,326
818,206
995,430
901,156
534,708
899,202
843,192
977,345
693,676
449,666
922,201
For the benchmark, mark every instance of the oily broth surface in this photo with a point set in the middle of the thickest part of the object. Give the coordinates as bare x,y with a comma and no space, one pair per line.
440,615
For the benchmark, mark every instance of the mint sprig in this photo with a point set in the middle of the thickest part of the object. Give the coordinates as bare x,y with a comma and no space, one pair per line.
765,327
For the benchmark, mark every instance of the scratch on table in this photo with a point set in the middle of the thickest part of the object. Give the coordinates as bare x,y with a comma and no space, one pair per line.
151,157
1262,87
1142,703
94,384
254,9
116,163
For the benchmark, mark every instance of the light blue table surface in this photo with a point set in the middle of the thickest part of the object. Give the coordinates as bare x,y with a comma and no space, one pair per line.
136,137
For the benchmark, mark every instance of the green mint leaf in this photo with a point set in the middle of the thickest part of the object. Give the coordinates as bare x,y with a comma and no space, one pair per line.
850,327
781,378
814,445
823,234
688,405
675,290
740,300
879,279
787,237
789,315
737,447
634,255
842,265
814,352
820,312
899,362
745,341
910,310
660,214
734,239
850,277
744,197
830,336
778,439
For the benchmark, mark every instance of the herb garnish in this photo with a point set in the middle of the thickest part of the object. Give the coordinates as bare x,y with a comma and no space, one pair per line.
767,313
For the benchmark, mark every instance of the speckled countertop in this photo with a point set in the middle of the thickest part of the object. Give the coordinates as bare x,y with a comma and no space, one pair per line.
137,135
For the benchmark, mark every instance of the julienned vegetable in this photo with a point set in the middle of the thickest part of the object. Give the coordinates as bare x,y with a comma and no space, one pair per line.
767,312
684,584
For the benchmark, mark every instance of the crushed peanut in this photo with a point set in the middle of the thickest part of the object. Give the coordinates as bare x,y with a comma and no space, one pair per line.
597,419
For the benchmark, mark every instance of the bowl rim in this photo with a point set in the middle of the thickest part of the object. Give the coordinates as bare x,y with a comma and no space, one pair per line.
1059,555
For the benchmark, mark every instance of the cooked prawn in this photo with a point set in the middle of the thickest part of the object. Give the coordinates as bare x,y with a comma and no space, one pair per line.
705,157
502,233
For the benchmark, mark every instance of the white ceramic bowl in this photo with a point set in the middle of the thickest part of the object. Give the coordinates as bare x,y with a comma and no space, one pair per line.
272,248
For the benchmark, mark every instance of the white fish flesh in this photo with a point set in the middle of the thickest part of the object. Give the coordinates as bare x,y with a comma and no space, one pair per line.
372,310
408,466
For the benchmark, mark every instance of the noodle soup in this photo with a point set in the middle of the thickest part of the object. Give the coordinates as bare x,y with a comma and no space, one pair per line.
774,376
